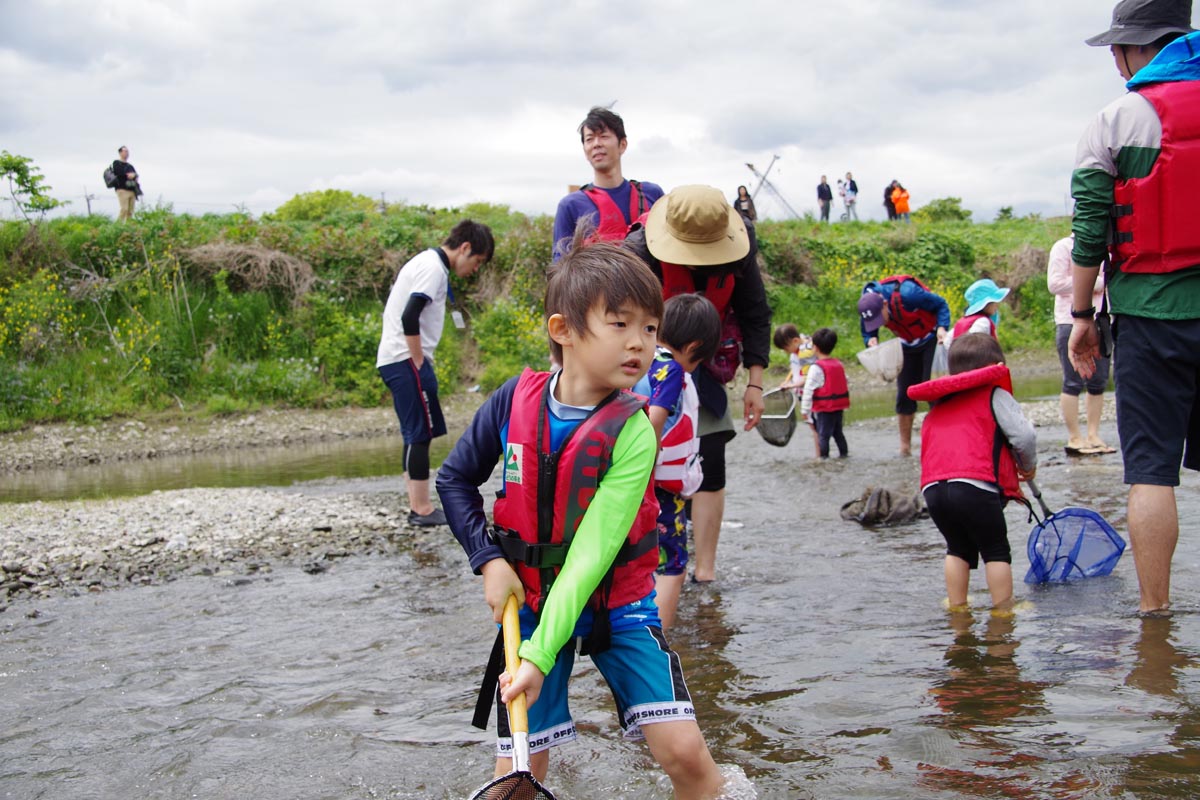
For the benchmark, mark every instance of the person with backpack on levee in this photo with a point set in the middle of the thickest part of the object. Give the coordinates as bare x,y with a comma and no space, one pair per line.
695,242
126,183
920,319
613,202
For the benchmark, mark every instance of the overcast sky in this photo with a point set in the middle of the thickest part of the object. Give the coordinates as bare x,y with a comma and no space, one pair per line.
248,102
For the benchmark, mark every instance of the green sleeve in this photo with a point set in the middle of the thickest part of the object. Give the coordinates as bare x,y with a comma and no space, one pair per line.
602,532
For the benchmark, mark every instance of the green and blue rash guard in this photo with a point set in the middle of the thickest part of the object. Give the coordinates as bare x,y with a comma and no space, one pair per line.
1123,142
601,533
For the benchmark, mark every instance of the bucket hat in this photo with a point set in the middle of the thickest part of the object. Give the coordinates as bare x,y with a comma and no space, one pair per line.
693,226
982,292
1138,22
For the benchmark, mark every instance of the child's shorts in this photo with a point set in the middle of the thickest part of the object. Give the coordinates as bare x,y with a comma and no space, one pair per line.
971,520
672,533
640,668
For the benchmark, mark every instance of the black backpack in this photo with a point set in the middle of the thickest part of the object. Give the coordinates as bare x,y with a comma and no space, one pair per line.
110,177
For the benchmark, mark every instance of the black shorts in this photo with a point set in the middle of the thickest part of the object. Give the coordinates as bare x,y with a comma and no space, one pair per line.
415,398
971,521
712,461
1157,372
918,366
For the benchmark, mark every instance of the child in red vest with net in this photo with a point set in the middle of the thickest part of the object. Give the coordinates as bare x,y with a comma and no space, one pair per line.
826,395
976,445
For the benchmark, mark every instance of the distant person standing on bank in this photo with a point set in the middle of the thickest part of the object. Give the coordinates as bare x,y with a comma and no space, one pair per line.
744,203
412,326
128,188
851,198
888,205
824,198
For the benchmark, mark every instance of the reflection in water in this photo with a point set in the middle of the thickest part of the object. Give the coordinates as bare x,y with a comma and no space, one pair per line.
983,699
1157,668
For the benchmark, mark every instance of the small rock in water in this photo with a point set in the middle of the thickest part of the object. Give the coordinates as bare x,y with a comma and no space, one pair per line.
315,567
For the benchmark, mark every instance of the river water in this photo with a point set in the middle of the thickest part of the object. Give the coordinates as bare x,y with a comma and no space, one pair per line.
822,663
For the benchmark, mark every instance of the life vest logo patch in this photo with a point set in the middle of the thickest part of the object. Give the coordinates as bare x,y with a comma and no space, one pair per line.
512,463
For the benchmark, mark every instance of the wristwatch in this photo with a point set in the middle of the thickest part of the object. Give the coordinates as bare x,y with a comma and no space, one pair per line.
1084,313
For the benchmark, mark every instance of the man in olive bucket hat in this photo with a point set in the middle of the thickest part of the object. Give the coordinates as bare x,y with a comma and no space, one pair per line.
694,241
1135,182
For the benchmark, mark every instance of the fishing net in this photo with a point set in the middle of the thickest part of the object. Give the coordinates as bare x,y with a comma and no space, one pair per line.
1072,544
778,421
513,786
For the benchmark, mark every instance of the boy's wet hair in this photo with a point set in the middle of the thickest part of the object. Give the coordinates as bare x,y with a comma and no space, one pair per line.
691,318
974,351
602,119
824,339
784,334
479,236
595,272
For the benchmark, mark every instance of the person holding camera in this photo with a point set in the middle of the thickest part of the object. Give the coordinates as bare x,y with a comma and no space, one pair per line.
128,188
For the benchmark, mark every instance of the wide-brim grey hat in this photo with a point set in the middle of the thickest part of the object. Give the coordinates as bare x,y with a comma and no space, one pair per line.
1139,22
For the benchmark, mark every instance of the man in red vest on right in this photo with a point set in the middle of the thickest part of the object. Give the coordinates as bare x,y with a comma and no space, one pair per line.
613,202
1136,186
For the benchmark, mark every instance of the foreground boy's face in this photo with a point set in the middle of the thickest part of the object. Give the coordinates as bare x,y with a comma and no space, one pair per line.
617,349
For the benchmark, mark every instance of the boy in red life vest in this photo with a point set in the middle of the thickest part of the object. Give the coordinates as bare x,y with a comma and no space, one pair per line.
575,524
976,445
826,395
983,309
688,336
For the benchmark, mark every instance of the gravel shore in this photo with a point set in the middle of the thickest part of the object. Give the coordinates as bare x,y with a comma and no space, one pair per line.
92,545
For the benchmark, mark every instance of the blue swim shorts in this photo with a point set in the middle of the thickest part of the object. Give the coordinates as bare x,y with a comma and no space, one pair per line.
640,668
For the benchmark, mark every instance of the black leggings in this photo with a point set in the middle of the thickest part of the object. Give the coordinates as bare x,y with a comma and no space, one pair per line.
971,521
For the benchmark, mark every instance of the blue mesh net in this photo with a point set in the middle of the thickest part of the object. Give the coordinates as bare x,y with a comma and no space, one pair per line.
1072,544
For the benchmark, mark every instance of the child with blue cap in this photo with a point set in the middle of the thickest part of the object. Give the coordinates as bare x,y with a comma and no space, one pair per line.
983,309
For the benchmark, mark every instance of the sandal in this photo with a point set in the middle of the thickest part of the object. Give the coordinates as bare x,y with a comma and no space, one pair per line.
1099,449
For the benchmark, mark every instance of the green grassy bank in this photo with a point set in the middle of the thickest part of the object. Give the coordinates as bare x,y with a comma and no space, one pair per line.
222,313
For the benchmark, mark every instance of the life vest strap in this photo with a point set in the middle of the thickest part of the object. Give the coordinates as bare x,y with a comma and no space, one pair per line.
1125,210
537,556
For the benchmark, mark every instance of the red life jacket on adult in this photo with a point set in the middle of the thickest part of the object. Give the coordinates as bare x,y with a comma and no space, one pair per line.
546,494
1155,217
612,224
907,323
834,394
960,437
964,325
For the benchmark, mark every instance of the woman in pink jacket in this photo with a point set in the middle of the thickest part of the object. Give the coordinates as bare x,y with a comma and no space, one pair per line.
1058,279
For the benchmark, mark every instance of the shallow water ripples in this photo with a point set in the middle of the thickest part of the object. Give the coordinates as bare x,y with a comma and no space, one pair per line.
821,663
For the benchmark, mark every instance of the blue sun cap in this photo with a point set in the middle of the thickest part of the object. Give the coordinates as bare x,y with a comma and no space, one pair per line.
982,292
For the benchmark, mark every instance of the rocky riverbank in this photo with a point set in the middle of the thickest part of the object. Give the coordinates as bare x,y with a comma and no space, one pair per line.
91,545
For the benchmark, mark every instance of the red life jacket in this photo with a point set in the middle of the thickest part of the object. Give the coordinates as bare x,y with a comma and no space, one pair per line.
960,437
612,224
546,494
717,286
834,394
964,325
909,324
1155,217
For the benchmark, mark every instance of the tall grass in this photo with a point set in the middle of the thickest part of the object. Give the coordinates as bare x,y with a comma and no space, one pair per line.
215,313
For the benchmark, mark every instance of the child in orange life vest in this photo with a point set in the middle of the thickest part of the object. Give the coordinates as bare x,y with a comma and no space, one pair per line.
975,446
800,357
688,336
575,537
826,395
983,309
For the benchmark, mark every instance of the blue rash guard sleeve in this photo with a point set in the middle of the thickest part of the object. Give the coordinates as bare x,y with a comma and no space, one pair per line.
469,466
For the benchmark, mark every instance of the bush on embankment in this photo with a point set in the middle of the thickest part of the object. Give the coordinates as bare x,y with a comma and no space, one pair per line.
227,312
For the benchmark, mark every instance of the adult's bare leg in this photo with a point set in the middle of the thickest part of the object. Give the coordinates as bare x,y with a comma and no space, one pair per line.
1153,532
708,509
906,429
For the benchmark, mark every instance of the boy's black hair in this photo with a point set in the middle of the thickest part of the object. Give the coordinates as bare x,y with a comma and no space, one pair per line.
825,339
477,234
603,119
973,351
784,334
598,272
691,318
